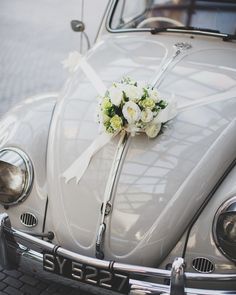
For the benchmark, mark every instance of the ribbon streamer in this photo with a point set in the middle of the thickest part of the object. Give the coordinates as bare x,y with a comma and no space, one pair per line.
78,168
92,76
74,61
207,100
168,113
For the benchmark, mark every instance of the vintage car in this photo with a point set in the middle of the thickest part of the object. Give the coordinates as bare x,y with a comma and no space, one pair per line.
126,180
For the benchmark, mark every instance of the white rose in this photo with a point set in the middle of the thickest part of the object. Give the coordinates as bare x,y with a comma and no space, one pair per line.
133,92
154,95
116,95
131,112
152,130
146,115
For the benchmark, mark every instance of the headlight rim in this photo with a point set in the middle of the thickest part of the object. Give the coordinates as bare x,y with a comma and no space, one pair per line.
222,209
29,173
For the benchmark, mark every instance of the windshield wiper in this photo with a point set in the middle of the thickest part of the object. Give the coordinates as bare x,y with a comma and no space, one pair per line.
194,30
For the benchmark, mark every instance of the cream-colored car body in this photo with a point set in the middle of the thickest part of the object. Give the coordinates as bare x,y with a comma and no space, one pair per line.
158,179
161,183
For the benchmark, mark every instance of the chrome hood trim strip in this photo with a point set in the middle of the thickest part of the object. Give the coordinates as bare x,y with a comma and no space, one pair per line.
181,49
117,162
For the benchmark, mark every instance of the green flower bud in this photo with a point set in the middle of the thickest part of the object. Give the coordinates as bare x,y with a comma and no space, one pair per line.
116,122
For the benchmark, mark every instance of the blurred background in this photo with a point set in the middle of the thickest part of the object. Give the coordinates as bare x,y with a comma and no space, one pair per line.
35,36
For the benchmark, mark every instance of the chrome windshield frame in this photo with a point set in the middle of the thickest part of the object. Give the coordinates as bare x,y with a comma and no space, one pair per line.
111,10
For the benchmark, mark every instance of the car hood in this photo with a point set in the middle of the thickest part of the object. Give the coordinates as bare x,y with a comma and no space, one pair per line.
161,182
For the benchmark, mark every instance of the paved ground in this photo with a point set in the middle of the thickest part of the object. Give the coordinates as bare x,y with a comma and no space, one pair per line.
18,283
34,37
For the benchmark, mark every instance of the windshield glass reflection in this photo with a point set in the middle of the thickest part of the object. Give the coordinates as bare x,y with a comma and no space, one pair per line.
207,14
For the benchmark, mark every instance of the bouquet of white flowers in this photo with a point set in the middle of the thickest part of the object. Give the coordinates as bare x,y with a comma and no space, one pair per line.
128,106
133,107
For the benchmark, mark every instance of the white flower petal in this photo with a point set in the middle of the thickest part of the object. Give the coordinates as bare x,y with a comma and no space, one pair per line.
131,112
154,95
116,95
146,115
152,130
134,93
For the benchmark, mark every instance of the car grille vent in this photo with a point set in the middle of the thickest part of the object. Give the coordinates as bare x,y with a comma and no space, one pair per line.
28,219
202,264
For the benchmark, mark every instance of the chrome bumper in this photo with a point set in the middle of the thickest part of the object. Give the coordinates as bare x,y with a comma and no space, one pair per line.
15,244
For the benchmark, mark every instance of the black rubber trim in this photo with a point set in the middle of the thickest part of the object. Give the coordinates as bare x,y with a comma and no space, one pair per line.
45,215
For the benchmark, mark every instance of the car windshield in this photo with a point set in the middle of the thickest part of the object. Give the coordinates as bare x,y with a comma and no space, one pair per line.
145,14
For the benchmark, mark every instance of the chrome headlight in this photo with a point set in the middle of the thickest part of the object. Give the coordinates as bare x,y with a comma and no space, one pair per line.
16,176
224,229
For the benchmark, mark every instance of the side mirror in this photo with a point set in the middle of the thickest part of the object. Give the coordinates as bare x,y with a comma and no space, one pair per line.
77,26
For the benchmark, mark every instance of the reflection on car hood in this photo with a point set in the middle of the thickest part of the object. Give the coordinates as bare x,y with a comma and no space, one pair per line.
162,181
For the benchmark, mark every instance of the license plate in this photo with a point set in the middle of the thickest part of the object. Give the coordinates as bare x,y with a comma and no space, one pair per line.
86,273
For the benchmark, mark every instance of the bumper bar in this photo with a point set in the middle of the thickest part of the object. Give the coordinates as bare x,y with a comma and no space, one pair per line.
15,244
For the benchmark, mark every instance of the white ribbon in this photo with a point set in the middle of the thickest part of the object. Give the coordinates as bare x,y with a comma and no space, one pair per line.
207,100
78,168
75,60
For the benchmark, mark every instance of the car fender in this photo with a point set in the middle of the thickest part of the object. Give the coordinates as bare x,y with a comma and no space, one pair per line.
26,127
